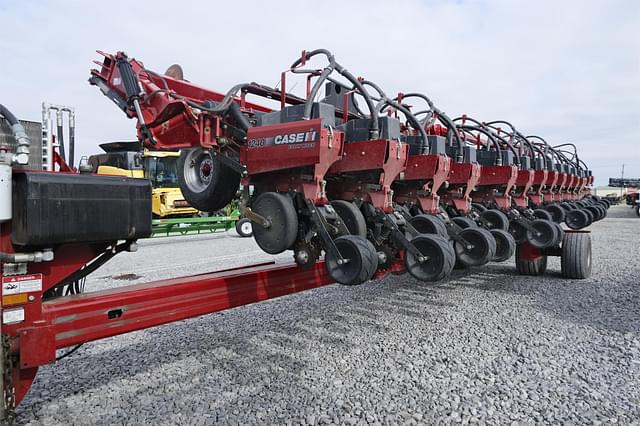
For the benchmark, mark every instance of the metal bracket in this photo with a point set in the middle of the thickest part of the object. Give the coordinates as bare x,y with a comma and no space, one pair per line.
321,227
230,162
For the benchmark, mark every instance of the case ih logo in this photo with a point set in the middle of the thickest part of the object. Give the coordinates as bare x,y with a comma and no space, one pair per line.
285,139
295,138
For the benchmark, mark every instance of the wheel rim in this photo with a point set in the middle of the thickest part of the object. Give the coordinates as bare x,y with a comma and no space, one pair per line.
246,228
198,169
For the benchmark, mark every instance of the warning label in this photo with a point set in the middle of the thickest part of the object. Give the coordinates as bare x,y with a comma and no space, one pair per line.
21,284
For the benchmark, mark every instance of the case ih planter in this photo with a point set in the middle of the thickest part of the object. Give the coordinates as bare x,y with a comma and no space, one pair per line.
356,183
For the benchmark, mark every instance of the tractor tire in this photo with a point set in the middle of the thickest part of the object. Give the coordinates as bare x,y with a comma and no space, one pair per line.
575,259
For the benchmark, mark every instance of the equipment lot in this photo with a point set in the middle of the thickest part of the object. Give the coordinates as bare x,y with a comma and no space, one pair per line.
485,345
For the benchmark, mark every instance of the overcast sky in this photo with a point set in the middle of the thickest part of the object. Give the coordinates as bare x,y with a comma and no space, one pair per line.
565,70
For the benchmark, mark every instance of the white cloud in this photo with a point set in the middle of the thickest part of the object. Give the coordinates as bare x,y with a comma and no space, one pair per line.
569,71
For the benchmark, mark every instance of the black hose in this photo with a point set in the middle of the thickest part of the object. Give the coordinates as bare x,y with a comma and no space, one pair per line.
385,100
239,117
61,142
4,111
443,117
323,76
489,135
487,132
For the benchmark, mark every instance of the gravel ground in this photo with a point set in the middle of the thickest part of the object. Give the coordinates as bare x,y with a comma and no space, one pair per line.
486,346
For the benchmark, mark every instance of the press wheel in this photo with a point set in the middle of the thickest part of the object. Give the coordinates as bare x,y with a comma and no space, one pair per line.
438,261
360,260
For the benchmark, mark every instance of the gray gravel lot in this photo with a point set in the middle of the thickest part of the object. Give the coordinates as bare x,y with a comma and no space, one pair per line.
486,346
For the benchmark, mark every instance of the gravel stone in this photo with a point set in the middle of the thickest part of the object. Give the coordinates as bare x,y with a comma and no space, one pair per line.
485,346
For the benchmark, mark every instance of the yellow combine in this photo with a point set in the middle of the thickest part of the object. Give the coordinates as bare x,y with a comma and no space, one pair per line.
160,167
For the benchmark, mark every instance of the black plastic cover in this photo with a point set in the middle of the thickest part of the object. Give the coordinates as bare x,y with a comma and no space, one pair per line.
437,144
525,162
292,113
57,208
469,153
357,130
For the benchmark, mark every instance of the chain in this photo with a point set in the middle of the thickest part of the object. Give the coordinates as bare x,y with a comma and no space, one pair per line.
9,389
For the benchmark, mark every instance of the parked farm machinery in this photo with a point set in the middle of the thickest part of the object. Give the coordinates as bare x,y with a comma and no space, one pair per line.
356,182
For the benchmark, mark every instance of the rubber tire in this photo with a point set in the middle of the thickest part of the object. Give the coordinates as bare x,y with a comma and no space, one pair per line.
441,258
604,212
546,227
351,216
429,224
505,245
517,231
560,235
542,214
464,222
242,224
220,190
596,211
575,260
589,215
479,207
480,257
530,267
282,233
557,212
577,219
495,219
357,249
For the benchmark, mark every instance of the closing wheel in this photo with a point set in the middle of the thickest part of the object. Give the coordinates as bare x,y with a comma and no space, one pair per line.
428,224
577,219
281,233
438,261
206,183
542,214
557,212
518,231
560,235
464,222
596,211
479,207
481,247
244,227
526,265
495,219
545,234
603,211
589,215
360,260
351,216
575,260
505,245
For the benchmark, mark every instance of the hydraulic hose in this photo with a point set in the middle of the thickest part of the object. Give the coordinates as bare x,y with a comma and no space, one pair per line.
493,137
333,65
21,155
443,117
488,134
385,100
